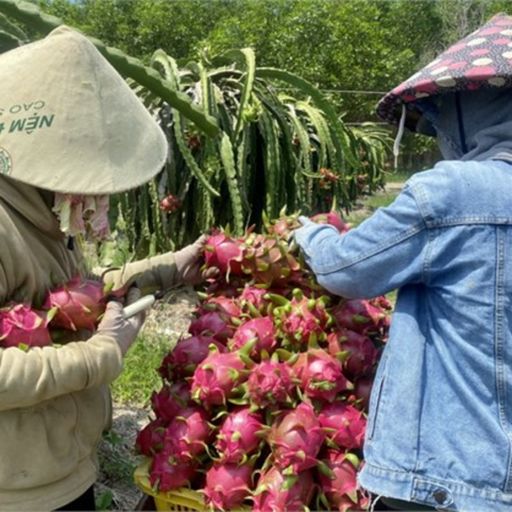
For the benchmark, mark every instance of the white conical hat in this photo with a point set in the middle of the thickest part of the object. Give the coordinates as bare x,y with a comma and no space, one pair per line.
70,123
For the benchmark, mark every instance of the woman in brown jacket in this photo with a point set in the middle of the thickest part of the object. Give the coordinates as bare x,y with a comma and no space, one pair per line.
70,128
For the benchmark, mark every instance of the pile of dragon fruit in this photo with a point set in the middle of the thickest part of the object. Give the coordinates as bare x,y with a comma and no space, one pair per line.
76,305
263,402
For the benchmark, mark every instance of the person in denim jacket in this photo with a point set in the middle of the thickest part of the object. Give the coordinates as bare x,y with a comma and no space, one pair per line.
439,429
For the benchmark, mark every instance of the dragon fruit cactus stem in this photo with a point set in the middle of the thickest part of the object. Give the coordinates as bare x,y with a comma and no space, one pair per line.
239,436
227,485
296,439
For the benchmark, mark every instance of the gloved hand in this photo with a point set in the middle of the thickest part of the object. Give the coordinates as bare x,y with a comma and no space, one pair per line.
189,261
113,323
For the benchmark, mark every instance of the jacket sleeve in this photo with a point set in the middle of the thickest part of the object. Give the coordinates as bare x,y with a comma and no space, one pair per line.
383,253
28,378
150,274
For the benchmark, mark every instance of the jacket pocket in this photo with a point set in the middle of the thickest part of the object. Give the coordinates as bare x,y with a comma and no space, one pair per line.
375,403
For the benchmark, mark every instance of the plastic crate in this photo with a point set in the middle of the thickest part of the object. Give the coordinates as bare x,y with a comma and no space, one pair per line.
177,499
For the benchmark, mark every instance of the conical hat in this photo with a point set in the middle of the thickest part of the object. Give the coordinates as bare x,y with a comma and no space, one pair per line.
481,60
69,122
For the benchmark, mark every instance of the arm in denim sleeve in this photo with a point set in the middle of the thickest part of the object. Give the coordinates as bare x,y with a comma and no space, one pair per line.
383,253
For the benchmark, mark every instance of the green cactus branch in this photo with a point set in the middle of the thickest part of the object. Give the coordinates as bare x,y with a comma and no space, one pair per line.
127,66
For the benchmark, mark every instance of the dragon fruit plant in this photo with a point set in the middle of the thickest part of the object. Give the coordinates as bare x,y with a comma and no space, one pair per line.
263,404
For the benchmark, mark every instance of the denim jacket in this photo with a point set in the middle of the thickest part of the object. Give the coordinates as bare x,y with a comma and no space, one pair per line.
440,422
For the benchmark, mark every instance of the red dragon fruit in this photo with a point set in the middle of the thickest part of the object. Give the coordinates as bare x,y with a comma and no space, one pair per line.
23,327
260,329
187,434
319,374
170,203
170,400
227,485
360,316
227,307
302,320
217,377
276,492
183,359
333,218
252,298
211,324
270,383
166,474
344,425
361,394
150,439
340,488
78,304
296,439
223,252
239,436
356,351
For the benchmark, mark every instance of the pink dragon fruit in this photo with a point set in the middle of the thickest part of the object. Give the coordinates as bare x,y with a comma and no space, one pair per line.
276,492
356,351
319,374
183,359
227,307
302,320
340,488
296,439
166,474
170,400
344,425
150,439
211,324
24,327
333,218
270,383
361,394
260,329
223,252
253,299
78,304
283,226
217,377
187,434
239,436
227,485
360,316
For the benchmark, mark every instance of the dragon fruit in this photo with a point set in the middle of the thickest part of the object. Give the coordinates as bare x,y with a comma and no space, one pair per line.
170,203
344,425
319,374
252,298
356,351
227,307
340,488
150,439
166,474
276,492
211,324
182,360
296,439
78,304
239,436
360,316
227,485
270,383
333,218
361,392
188,433
302,320
223,252
24,327
217,377
260,329
170,400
